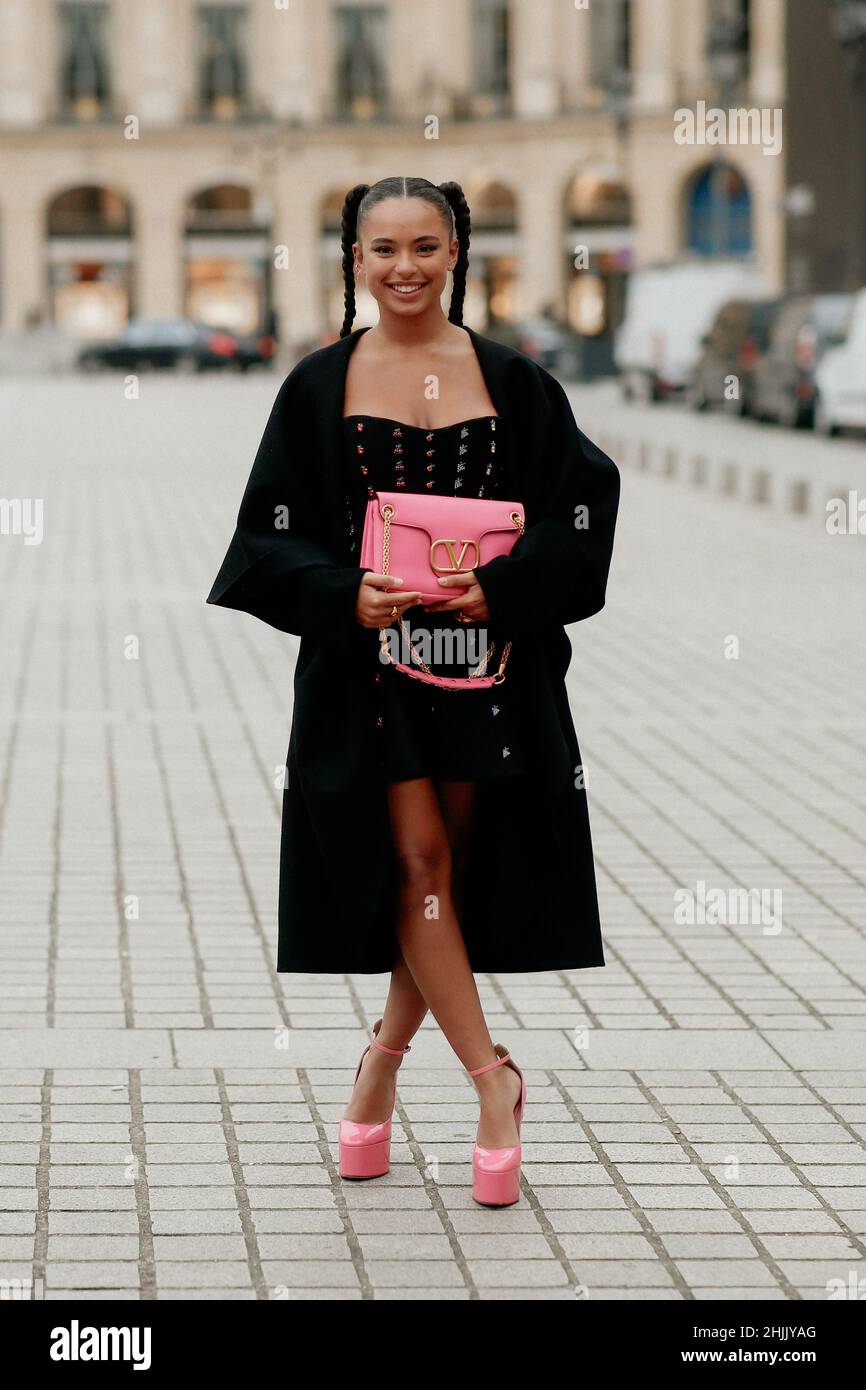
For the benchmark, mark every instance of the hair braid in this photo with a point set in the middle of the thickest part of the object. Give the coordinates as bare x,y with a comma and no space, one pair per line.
456,199
349,235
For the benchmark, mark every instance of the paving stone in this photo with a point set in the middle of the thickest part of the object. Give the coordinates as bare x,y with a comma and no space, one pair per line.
49,1047
92,1274
408,1246
92,1223
410,1273
201,1246
293,1274
86,1295
93,1247
528,1274
725,1273
188,1274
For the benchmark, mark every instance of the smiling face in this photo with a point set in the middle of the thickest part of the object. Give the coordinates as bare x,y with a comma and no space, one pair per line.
406,254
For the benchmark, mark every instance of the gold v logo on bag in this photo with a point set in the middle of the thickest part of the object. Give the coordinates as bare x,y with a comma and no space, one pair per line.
455,562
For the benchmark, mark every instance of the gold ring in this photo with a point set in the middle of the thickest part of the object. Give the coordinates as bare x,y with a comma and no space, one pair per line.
394,611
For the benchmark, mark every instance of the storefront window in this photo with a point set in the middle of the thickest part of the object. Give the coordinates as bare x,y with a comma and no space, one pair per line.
227,260
90,264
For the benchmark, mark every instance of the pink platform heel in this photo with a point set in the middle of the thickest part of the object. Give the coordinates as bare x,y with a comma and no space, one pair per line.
365,1149
496,1172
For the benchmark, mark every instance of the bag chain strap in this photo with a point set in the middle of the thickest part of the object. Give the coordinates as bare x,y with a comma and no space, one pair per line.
387,513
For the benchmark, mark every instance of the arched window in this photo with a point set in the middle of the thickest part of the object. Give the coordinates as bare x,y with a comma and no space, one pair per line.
89,248
719,212
228,258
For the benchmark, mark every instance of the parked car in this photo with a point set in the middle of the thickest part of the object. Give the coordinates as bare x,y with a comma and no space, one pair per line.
255,350
668,310
841,377
784,377
732,347
179,343
546,340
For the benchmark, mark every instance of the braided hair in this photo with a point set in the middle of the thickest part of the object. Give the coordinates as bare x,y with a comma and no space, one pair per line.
448,198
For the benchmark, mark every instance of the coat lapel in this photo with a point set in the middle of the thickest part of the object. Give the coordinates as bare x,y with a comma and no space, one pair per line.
329,399
492,367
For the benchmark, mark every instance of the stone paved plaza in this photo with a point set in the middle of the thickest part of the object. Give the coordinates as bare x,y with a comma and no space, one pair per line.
169,1104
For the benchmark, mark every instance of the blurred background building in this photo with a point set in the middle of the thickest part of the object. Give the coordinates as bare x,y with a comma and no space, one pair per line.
175,157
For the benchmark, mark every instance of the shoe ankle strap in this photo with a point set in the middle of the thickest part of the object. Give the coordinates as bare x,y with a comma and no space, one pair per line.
393,1051
500,1061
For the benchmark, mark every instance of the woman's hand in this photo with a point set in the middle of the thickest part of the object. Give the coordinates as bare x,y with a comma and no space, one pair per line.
374,608
472,604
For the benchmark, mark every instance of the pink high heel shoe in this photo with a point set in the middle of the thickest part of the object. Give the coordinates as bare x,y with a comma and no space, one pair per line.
496,1172
365,1149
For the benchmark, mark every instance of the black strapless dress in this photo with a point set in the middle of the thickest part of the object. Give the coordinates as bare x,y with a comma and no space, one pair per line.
425,731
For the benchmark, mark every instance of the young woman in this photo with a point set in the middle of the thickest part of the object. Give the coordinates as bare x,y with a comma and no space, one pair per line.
431,833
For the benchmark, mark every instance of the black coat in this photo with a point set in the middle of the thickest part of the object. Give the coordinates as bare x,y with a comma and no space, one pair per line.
530,884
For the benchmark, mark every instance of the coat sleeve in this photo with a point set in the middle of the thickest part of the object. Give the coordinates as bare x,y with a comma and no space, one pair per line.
557,571
278,566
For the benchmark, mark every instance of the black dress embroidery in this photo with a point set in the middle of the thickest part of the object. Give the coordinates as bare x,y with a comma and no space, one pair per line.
425,731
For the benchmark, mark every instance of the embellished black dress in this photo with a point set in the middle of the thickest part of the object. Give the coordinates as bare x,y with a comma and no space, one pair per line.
424,730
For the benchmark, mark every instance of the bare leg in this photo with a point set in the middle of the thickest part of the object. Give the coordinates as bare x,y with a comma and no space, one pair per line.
457,800
405,1011
432,943
406,1008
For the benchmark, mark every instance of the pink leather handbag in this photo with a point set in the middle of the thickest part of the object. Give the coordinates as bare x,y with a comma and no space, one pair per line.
421,537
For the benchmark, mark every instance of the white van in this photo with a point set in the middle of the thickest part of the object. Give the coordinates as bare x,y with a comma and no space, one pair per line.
668,310
841,377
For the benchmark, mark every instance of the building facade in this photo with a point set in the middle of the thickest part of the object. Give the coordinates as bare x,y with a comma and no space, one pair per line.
181,157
